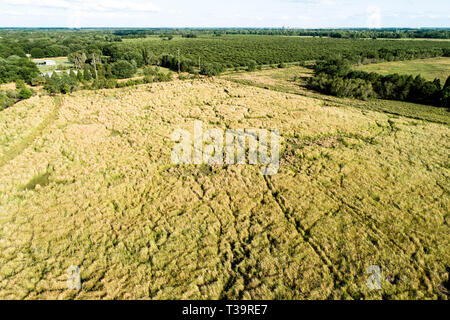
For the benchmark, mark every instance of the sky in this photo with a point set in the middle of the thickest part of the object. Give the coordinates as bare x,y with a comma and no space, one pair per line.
225,13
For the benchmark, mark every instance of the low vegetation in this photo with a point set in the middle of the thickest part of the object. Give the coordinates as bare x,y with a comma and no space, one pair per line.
11,96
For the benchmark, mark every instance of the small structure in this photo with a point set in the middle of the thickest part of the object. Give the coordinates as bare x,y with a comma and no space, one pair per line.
45,62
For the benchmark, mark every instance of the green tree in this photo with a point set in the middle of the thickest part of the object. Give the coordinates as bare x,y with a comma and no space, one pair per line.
445,95
24,93
251,66
37,53
123,69
87,73
336,67
78,59
211,69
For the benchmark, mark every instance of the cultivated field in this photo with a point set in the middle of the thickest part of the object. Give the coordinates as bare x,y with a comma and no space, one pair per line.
430,69
87,180
237,50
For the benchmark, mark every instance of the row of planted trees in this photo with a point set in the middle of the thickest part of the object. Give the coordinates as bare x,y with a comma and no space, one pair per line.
89,79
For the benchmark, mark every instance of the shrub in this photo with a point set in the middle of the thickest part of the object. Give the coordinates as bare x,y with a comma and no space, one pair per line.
334,67
252,65
6,100
24,93
60,84
211,69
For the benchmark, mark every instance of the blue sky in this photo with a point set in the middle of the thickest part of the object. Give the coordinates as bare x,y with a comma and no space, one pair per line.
225,13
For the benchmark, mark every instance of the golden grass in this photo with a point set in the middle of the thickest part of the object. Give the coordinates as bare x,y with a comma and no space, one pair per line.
293,80
355,188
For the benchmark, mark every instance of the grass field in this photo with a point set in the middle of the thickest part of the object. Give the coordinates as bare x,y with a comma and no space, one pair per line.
292,80
430,69
87,180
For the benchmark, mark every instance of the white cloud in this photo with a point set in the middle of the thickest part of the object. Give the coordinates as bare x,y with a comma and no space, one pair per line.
373,17
86,5
229,13
74,13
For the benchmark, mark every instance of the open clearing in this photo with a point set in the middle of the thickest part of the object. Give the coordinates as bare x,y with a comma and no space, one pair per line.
430,69
88,181
60,62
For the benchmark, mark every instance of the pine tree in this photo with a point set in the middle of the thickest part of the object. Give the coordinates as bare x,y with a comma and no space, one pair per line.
87,74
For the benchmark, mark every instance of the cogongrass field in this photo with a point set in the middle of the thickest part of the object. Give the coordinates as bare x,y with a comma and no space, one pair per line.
292,80
86,179
430,69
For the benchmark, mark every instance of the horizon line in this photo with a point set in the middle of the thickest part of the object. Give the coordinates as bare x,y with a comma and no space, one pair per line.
269,28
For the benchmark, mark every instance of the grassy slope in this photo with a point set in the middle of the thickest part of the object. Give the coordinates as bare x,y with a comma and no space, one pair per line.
428,68
355,188
282,80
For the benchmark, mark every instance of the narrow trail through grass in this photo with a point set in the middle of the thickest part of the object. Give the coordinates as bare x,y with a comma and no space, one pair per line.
263,80
25,142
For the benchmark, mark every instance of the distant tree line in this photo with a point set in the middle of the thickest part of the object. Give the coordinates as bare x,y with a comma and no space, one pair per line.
350,33
335,77
358,33
100,57
106,77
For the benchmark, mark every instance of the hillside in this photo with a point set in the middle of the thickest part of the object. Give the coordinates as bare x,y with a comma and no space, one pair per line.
87,180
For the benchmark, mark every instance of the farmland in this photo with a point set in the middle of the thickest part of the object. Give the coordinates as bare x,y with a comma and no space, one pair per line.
430,69
87,180
237,50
